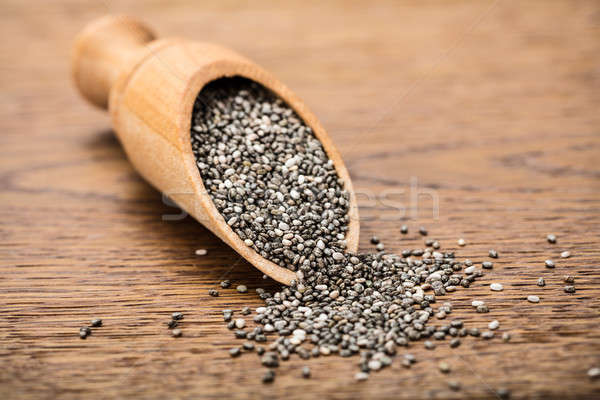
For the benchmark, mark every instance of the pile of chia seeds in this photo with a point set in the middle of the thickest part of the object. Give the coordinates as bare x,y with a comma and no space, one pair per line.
274,185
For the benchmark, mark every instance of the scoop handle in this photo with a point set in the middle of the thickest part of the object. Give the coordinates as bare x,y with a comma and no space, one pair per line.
104,49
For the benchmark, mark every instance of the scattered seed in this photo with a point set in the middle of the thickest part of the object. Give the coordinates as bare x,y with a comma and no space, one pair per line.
177,316
493,253
503,393
496,287
454,385
248,346
477,303
96,322
541,282
549,264
551,238
225,284
245,311
594,373
201,252
305,372
239,334
533,299
569,289
494,325
269,376
455,343
242,289
565,254
506,337
172,324
213,293
374,365
461,242
361,376
487,335
404,229
487,265
569,279
176,332
423,231
429,345
84,332
235,352
240,323
375,240
444,367
483,308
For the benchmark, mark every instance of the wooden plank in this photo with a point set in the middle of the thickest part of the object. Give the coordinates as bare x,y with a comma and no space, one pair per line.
490,107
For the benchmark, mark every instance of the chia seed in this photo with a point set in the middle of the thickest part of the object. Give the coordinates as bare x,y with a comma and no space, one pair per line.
541,282
569,289
176,316
269,376
487,265
533,299
496,287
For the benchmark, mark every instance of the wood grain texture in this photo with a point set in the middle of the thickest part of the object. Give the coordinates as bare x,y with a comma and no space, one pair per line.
491,107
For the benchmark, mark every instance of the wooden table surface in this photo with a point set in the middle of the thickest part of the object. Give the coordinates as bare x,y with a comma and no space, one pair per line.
486,112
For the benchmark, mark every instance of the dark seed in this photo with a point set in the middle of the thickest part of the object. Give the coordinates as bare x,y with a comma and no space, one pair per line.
269,376
172,324
423,231
569,289
234,352
487,265
305,372
549,264
551,238
177,316
225,284
404,229
503,393
96,322
493,253
375,240
444,367
541,282
213,293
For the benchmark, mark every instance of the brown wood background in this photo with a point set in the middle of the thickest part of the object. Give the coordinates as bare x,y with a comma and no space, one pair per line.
493,107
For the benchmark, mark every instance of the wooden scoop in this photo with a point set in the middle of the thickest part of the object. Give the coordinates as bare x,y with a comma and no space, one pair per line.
149,86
